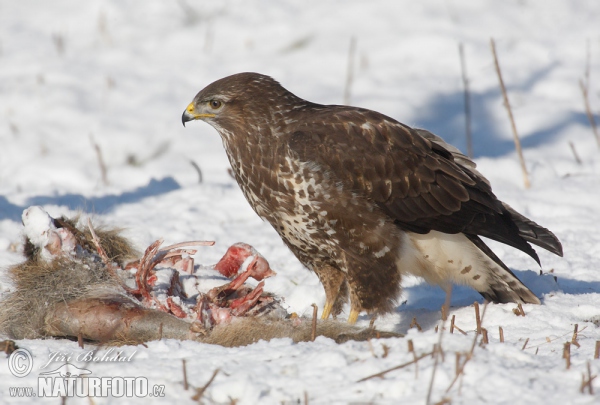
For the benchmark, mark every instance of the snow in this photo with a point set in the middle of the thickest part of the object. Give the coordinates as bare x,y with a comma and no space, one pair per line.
119,75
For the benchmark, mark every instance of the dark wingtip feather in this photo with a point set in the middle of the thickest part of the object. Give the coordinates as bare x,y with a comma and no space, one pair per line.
534,233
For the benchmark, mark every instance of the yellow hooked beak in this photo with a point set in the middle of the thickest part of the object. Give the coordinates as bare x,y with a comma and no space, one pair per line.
190,114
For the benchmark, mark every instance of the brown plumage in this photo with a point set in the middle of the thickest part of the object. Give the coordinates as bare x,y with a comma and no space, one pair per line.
361,199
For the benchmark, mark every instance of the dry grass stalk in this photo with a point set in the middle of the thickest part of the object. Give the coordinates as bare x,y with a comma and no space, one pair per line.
567,354
577,159
198,170
501,332
587,382
382,373
185,380
452,323
436,349
588,112
460,330
350,71
101,164
465,80
597,350
525,344
510,116
313,332
200,391
411,349
477,317
468,356
414,324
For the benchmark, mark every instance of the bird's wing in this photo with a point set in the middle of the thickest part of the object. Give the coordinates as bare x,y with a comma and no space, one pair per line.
411,174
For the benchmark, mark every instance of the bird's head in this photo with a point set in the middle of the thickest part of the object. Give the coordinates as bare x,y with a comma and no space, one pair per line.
243,97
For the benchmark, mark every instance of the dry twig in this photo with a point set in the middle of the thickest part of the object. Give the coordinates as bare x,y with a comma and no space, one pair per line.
200,391
350,71
463,68
588,112
382,373
510,116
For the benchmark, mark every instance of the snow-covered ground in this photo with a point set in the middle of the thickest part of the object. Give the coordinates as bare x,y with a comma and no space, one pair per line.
118,74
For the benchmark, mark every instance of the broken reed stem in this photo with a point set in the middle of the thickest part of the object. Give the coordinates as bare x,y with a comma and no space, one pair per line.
313,334
382,373
574,338
501,332
80,340
597,350
185,381
477,318
587,382
350,71
101,164
510,116
414,323
525,344
463,69
484,333
452,323
567,354
588,112
200,391
519,311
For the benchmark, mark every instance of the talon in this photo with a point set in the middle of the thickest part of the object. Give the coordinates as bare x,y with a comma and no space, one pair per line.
353,317
327,310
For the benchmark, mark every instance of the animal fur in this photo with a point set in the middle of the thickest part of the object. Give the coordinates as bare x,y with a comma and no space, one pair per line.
76,296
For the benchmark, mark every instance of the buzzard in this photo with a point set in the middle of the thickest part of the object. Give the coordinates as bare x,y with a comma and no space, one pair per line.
362,199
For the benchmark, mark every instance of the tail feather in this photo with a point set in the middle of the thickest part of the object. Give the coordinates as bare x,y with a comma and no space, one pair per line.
534,233
503,285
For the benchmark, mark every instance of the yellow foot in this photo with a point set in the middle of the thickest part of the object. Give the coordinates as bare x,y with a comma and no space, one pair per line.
326,310
353,317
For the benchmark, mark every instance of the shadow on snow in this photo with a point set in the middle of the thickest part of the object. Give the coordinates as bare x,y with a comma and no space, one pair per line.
101,204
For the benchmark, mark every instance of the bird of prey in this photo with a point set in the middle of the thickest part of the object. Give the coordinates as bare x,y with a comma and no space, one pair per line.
362,199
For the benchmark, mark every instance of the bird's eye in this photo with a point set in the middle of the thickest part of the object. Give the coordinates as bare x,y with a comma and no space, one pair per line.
214,104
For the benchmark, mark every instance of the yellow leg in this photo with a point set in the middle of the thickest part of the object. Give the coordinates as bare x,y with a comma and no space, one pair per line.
327,310
353,316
